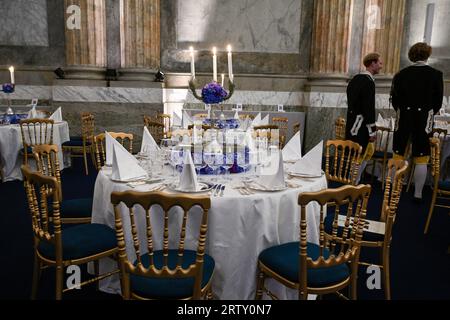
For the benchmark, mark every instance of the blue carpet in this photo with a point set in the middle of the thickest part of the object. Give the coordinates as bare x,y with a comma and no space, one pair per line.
419,264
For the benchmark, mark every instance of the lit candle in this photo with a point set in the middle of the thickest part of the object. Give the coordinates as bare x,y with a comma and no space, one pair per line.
223,78
214,64
230,64
11,71
192,63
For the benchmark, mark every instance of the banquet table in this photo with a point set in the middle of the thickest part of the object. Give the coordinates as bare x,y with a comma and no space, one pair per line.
239,228
11,144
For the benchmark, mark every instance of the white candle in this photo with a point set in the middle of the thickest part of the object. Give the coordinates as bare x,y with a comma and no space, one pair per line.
11,71
230,64
223,78
214,64
192,63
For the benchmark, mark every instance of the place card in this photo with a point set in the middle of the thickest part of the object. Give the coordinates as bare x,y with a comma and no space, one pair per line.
280,108
238,107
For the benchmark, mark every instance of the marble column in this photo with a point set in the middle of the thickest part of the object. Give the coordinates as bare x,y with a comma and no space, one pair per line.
383,31
85,30
140,39
331,36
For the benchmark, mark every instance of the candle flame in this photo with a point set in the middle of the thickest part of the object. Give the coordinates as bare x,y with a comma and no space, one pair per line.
214,50
191,49
229,48
11,69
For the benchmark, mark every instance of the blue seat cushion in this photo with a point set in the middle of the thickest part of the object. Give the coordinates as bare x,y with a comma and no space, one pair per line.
75,143
444,185
170,288
76,208
380,154
367,236
284,260
335,184
29,150
81,241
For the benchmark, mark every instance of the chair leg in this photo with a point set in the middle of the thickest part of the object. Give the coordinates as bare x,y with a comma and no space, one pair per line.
354,281
430,213
85,163
386,273
59,282
411,175
36,277
260,285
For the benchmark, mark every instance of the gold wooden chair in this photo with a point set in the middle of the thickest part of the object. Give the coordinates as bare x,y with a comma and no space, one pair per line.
269,131
81,146
35,132
441,189
170,273
342,162
245,116
283,124
437,133
204,127
156,128
166,120
57,247
328,266
381,154
125,139
201,115
378,233
74,210
339,128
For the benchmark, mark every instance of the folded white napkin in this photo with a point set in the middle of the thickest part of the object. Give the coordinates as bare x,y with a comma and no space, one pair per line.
188,179
187,120
380,121
176,120
310,163
32,114
57,115
292,151
264,121
236,115
273,175
109,143
257,120
148,144
125,167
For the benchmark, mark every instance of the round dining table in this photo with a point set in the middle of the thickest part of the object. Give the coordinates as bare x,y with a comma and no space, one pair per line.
11,144
240,225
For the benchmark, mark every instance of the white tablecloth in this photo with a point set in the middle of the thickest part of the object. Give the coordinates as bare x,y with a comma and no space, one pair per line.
239,228
11,143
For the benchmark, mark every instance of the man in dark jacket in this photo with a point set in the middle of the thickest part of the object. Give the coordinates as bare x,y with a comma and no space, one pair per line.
416,94
360,126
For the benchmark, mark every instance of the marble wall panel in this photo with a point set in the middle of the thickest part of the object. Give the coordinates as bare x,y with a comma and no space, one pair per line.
24,23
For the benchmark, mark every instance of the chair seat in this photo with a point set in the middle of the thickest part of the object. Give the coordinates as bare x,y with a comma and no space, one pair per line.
76,208
444,185
82,241
367,236
76,138
170,288
75,143
284,260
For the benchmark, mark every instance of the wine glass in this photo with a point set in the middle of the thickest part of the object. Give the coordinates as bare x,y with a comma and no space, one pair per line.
176,159
228,160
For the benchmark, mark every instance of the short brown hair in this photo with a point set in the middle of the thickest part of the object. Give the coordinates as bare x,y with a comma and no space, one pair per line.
419,52
369,58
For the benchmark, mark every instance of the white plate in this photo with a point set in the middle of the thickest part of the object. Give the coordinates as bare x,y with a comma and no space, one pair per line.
258,187
304,175
204,187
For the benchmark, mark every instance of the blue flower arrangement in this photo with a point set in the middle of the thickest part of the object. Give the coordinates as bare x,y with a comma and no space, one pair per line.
8,88
213,93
